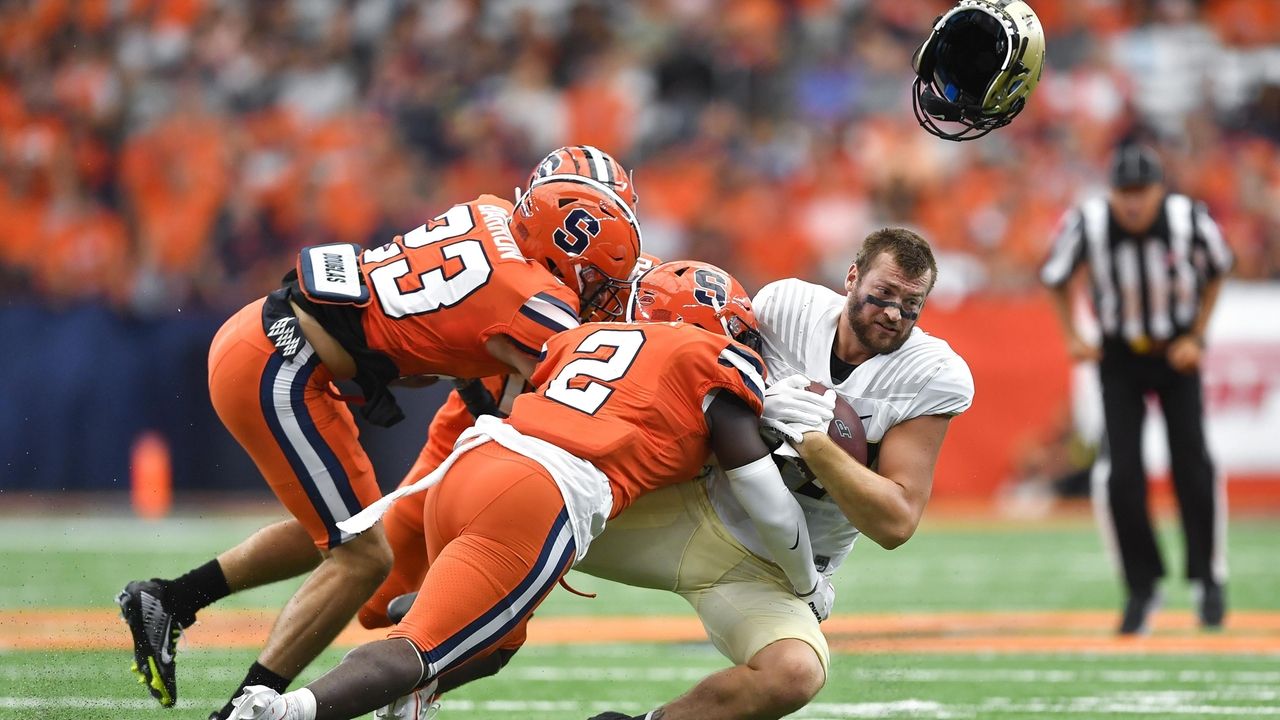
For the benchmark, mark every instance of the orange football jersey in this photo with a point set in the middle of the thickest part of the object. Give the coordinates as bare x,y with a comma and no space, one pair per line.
438,294
630,397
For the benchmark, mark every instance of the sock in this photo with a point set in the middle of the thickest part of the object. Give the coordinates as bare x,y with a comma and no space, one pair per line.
196,590
257,675
302,703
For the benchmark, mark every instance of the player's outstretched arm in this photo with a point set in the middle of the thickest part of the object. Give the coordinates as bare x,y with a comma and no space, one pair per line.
757,484
885,506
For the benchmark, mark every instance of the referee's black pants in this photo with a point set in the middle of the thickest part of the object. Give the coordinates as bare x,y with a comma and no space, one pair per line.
1126,380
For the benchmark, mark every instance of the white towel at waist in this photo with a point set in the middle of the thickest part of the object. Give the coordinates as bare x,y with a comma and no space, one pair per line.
585,489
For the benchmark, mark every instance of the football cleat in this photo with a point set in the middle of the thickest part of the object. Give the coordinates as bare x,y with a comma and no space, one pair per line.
611,715
421,704
155,638
399,606
258,702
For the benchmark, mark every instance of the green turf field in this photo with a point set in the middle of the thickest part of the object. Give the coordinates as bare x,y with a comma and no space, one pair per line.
81,561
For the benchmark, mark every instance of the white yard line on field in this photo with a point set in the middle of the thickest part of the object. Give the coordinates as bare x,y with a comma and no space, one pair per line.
1248,680
1161,705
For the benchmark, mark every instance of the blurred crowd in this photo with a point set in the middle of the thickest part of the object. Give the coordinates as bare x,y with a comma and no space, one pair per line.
162,154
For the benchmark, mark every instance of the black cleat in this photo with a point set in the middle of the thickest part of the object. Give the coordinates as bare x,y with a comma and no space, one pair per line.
1137,612
399,607
1211,605
611,715
155,638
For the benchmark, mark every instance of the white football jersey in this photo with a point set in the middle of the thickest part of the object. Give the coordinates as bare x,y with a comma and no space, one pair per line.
923,377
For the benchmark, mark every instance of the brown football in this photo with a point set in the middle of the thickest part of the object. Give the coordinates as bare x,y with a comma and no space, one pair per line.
846,428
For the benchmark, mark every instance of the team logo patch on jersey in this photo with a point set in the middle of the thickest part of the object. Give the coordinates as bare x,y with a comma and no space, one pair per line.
331,274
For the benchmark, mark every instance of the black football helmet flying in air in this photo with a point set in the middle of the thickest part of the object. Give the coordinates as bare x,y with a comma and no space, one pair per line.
977,67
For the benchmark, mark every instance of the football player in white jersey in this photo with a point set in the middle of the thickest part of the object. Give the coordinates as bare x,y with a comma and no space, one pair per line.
905,384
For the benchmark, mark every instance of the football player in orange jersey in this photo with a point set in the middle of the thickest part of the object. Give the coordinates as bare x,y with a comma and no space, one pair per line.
493,395
472,293
403,521
620,409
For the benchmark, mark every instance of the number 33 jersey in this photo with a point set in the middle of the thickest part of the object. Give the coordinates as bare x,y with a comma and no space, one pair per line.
630,397
437,295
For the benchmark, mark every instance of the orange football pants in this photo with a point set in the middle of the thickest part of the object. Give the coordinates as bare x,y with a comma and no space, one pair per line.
403,521
303,439
403,526
498,539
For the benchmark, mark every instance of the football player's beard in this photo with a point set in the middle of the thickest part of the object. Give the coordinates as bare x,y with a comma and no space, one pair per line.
862,330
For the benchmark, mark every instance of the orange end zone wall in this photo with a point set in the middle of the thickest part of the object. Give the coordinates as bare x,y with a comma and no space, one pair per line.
1021,374
1021,377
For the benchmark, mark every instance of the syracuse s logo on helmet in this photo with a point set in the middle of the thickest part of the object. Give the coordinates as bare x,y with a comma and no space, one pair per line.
579,224
713,288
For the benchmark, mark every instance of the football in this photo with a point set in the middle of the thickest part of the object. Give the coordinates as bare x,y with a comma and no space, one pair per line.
846,428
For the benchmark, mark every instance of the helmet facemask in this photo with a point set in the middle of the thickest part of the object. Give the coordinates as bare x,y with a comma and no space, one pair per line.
614,300
739,330
603,297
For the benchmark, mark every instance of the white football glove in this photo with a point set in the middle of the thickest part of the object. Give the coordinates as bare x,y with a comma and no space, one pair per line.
418,705
821,598
259,702
792,410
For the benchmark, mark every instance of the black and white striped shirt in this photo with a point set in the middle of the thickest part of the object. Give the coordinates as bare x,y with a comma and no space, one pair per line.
1146,285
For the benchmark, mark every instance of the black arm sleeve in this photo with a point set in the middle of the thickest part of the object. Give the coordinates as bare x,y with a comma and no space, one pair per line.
735,431
477,398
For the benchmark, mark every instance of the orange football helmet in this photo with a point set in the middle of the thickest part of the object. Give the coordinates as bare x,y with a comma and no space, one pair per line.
590,162
697,293
584,233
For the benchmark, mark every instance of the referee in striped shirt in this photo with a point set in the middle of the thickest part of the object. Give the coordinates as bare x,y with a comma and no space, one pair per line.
1155,263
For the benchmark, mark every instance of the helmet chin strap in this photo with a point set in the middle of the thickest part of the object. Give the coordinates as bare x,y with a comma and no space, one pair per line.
629,314
929,107
940,107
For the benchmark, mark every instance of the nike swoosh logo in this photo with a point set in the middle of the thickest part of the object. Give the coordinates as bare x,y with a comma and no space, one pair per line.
166,656
796,544
863,417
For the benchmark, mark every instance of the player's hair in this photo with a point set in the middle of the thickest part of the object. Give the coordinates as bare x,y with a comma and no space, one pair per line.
909,250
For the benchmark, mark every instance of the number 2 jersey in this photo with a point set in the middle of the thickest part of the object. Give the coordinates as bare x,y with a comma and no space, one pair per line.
427,303
923,377
630,397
